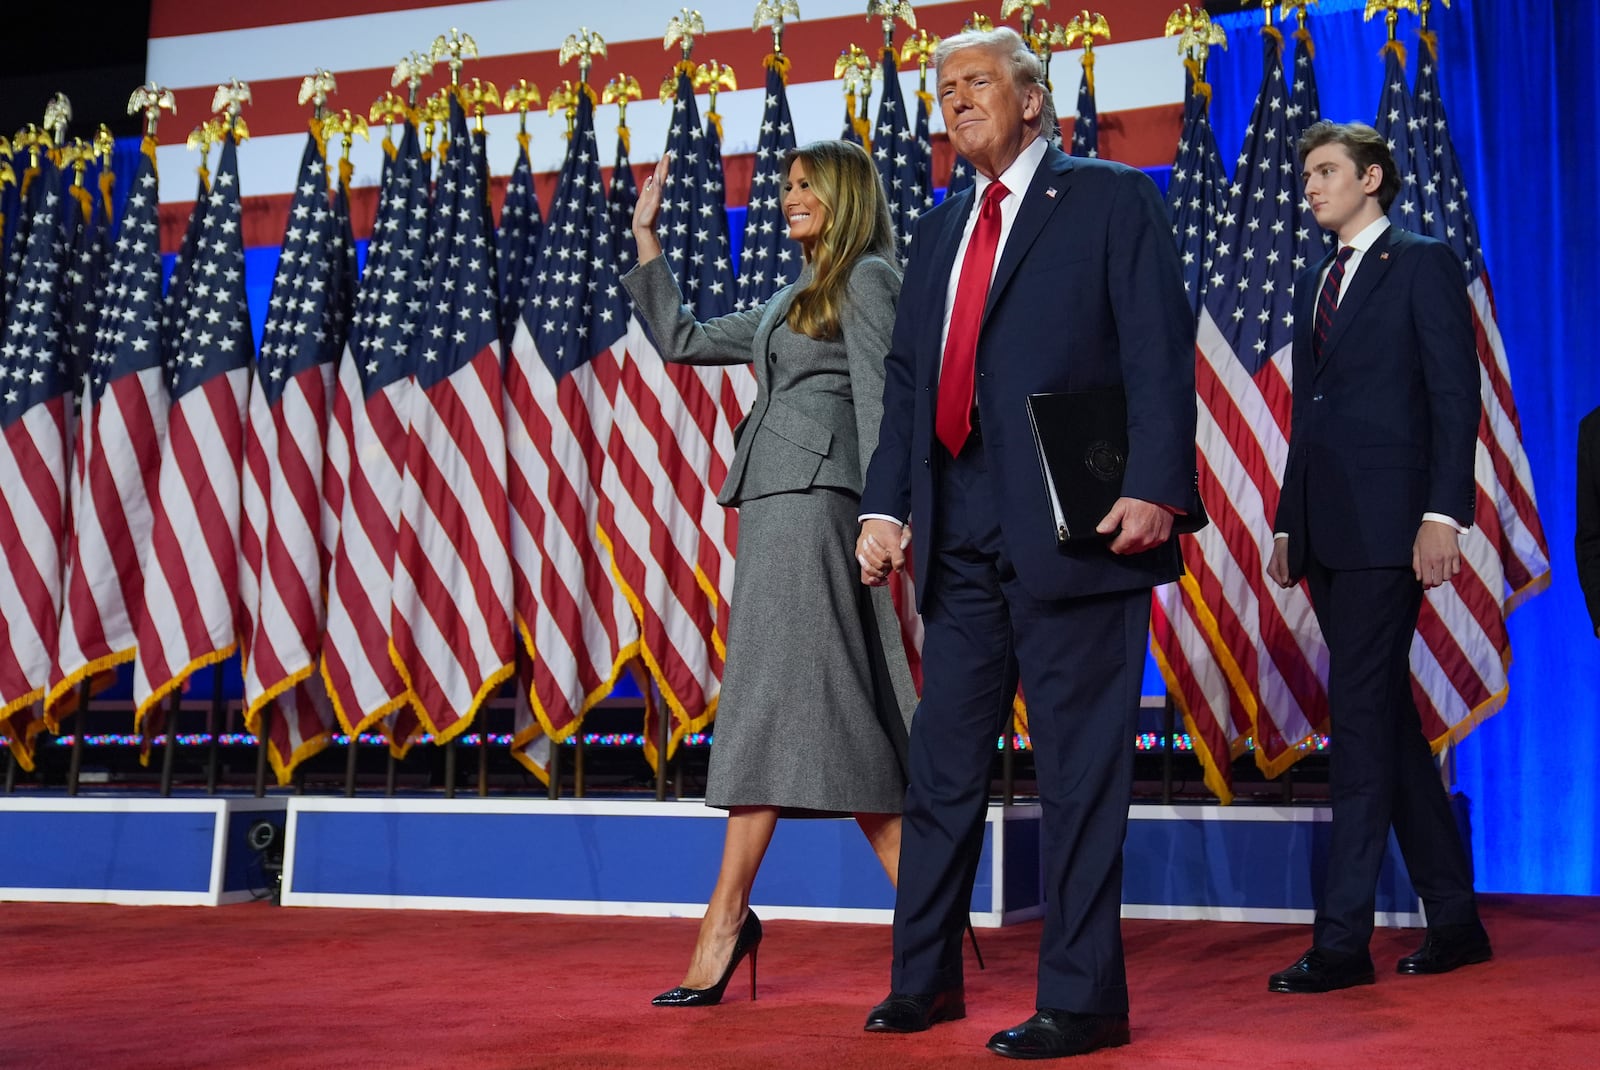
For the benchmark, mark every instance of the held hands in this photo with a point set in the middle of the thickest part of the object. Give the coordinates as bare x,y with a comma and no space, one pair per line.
881,550
647,211
1436,555
1145,525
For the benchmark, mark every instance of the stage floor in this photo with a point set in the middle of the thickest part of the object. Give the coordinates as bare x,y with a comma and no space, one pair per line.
259,986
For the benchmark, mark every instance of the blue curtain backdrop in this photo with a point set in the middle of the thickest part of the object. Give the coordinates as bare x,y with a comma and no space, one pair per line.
1522,93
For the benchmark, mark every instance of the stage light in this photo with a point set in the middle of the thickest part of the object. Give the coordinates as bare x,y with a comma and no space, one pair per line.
265,838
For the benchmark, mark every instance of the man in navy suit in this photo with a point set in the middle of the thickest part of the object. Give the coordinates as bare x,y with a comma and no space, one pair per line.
1054,274
1379,487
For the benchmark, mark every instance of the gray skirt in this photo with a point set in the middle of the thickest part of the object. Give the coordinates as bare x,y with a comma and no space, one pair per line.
808,719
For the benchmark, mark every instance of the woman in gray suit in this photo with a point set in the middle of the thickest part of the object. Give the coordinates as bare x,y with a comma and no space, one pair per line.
816,693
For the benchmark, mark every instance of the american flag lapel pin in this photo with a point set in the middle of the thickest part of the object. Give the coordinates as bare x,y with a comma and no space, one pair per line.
1050,191
1383,256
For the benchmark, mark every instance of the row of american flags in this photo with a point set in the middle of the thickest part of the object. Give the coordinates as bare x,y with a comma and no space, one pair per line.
464,473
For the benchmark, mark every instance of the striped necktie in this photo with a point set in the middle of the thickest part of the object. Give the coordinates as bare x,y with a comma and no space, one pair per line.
1328,300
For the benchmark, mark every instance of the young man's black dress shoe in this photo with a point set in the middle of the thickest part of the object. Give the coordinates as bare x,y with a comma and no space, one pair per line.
1321,971
1053,1034
904,1012
1448,948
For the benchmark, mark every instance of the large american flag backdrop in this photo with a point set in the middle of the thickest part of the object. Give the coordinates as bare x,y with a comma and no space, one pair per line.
527,487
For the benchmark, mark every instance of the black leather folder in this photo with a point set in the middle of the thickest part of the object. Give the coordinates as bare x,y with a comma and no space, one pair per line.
1082,439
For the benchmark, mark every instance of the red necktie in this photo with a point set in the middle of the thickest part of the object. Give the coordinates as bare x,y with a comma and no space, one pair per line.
1328,300
953,421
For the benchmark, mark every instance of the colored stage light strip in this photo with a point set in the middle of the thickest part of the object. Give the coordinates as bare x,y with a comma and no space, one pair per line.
1144,742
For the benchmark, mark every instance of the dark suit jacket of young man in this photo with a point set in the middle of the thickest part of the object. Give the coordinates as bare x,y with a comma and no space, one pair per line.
1386,420
1083,298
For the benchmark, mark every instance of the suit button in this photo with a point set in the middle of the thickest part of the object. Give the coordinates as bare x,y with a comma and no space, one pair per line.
1316,397
924,462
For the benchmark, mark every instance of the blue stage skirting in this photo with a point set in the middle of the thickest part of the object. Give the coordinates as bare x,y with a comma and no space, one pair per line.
133,851
1204,862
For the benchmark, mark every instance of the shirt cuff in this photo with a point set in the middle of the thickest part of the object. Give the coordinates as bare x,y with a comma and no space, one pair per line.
880,516
1279,536
1443,519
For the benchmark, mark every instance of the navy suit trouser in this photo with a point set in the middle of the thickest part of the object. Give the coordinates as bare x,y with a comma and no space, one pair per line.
1081,662
1380,770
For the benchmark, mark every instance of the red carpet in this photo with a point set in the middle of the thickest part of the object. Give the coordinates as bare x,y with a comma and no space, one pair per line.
256,986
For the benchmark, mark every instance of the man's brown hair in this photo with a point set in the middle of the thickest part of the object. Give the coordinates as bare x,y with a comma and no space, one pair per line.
1364,145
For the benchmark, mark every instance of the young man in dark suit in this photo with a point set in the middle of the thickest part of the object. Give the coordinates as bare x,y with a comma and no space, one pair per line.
1053,275
1378,489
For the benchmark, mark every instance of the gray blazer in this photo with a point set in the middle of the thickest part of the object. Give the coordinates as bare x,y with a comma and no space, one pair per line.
814,422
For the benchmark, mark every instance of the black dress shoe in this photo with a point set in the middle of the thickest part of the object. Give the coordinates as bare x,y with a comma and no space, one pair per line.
1057,1034
905,1012
1448,948
1323,971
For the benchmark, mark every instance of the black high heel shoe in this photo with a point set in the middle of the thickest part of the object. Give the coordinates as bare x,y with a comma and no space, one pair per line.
749,939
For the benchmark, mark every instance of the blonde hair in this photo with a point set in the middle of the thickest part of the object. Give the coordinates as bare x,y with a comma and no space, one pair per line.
855,223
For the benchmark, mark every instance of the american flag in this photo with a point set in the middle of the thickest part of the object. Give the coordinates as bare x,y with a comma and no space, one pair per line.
13,224
191,606
104,590
962,176
1447,215
284,520
624,194
665,447
770,260
84,276
34,460
517,242
1241,656
924,152
1197,195
366,454
1459,655
1304,106
577,629
1086,128
897,150
175,306
454,647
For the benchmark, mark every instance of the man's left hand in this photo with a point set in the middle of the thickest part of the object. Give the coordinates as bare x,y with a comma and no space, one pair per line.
1436,555
1145,525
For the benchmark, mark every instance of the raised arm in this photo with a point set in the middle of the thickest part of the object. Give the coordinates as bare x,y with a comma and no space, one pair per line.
678,336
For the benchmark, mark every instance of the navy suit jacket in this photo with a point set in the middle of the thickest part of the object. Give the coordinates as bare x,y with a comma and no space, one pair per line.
1385,423
1088,294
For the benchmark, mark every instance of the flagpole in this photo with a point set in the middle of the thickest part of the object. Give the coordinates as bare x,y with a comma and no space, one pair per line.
483,751
76,764
169,751
350,765
214,721
267,713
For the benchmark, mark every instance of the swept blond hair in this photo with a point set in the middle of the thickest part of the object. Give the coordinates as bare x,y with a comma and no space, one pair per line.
855,223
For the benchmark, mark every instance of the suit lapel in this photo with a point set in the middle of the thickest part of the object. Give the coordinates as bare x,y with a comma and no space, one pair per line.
1374,266
1049,187
1305,306
942,262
